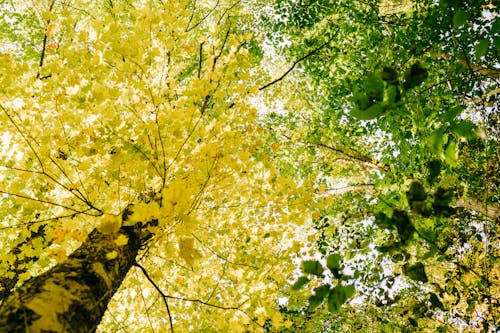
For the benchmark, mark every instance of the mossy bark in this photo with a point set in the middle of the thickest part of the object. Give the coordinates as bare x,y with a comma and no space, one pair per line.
73,295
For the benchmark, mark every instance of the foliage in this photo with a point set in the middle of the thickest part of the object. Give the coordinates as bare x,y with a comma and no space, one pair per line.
132,111
332,168
405,91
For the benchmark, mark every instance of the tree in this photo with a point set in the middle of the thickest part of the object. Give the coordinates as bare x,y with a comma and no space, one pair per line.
135,173
402,130
161,171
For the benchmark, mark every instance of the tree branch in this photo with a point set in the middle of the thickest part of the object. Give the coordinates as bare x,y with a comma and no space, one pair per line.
44,46
164,297
491,210
267,85
345,189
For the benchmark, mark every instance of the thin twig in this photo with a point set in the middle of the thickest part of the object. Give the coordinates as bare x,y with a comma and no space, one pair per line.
345,189
267,85
23,136
225,259
22,196
164,297
227,10
188,28
237,308
200,59
44,44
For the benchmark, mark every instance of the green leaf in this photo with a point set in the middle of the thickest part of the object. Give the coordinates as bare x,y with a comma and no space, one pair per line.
496,42
415,76
431,253
338,296
349,291
416,192
495,27
434,167
427,234
301,281
389,75
312,267
452,113
374,87
451,153
361,100
436,303
372,112
392,94
481,48
319,295
315,300
436,142
459,18
333,262
401,221
382,220
443,196
464,129
415,272
334,302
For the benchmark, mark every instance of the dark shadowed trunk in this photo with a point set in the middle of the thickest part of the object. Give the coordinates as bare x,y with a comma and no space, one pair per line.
73,295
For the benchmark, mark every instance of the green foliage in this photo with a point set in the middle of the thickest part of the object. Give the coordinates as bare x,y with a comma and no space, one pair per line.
372,112
312,267
333,262
320,293
481,48
301,281
374,87
410,87
338,296
389,75
416,272
459,18
415,76
416,192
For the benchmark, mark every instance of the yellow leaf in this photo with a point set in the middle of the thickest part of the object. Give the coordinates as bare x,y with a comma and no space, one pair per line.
187,225
109,224
121,240
144,212
111,255
51,30
277,320
187,250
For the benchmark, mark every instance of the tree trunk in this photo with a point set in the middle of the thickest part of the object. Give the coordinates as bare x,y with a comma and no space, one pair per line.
21,263
73,295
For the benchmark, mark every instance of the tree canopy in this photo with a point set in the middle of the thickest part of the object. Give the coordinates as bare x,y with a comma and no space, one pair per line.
248,166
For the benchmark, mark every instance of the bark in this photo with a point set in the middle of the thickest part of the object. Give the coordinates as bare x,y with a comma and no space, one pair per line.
21,263
490,210
492,73
73,295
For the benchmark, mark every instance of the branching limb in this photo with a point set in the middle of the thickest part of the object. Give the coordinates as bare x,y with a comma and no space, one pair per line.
189,28
267,85
353,157
164,297
225,259
345,189
227,10
490,210
193,300
22,196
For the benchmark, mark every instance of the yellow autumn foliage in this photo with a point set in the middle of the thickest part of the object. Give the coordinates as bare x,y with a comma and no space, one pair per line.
145,106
